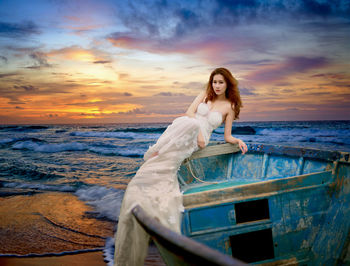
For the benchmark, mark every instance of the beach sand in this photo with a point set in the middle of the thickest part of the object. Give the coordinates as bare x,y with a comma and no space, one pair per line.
82,259
90,258
54,222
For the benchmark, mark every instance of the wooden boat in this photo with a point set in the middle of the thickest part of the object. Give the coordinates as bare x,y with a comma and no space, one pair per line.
274,205
177,249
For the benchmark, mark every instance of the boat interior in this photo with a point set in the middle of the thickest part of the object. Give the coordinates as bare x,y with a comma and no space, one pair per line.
269,205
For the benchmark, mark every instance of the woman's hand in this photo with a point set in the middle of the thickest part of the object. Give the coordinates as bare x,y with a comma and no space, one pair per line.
200,140
242,146
228,130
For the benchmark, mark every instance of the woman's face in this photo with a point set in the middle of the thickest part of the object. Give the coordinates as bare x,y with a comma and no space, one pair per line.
219,84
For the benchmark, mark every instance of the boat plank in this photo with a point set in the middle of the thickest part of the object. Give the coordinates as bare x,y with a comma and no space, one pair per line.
258,189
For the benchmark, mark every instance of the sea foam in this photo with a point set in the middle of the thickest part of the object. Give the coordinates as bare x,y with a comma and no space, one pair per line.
106,201
50,148
117,134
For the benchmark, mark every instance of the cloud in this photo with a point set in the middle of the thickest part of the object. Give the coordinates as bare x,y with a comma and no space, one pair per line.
135,111
21,93
245,91
197,86
313,7
178,18
14,101
254,10
18,30
188,19
144,111
5,75
131,41
3,58
338,76
206,45
255,38
261,62
102,62
215,30
290,66
169,94
21,49
283,84
292,109
80,23
40,60
26,88
287,91
339,84
77,53
123,76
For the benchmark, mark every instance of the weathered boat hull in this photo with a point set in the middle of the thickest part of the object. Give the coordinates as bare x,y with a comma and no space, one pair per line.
177,249
273,205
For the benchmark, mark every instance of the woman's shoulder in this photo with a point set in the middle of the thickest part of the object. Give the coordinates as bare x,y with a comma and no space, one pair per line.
229,107
228,104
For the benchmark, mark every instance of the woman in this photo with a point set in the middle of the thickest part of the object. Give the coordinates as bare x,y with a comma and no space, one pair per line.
155,186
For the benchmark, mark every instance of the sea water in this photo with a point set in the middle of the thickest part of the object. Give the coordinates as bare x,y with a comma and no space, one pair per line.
96,162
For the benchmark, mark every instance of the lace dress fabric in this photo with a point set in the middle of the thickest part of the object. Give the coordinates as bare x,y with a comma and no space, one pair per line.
155,186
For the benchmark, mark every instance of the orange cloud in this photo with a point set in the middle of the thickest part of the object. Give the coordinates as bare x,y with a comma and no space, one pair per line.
208,47
75,53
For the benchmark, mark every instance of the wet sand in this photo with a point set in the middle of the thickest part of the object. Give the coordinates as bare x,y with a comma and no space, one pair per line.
90,258
82,259
52,223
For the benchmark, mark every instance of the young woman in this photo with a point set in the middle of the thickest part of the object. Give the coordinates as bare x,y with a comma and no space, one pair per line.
155,186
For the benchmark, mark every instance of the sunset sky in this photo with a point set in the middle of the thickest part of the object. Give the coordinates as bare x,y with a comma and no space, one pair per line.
111,61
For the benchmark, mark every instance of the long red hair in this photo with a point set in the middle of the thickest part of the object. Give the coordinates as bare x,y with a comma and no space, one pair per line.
232,91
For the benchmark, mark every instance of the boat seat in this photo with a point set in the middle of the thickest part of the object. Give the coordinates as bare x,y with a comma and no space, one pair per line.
177,249
198,187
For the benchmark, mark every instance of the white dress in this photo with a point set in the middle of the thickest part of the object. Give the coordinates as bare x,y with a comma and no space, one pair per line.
155,186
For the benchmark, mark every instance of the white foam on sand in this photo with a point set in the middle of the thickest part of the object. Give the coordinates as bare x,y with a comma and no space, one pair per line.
106,201
108,251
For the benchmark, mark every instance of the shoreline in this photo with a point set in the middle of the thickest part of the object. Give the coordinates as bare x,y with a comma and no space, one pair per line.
85,258
54,228
88,258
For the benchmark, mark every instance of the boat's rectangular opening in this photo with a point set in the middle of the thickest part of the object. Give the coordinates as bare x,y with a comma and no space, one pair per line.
253,246
252,211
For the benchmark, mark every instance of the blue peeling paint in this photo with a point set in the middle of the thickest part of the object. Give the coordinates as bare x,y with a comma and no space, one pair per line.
308,195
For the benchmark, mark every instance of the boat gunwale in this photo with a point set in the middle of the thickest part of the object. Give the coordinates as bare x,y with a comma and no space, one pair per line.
221,148
227,148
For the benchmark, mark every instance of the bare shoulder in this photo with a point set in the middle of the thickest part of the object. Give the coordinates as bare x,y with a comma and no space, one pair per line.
228,106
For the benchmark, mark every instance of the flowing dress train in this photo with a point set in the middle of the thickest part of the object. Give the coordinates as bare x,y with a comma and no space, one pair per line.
155,186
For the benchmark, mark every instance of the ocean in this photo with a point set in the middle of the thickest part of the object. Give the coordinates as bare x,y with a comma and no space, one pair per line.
61,186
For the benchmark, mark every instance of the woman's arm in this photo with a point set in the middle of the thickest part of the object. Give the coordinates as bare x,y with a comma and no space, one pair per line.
228,130
193,107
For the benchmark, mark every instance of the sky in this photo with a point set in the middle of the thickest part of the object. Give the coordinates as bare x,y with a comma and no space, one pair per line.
120,61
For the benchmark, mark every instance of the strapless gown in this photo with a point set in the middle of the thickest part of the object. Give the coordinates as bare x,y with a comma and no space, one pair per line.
155,186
